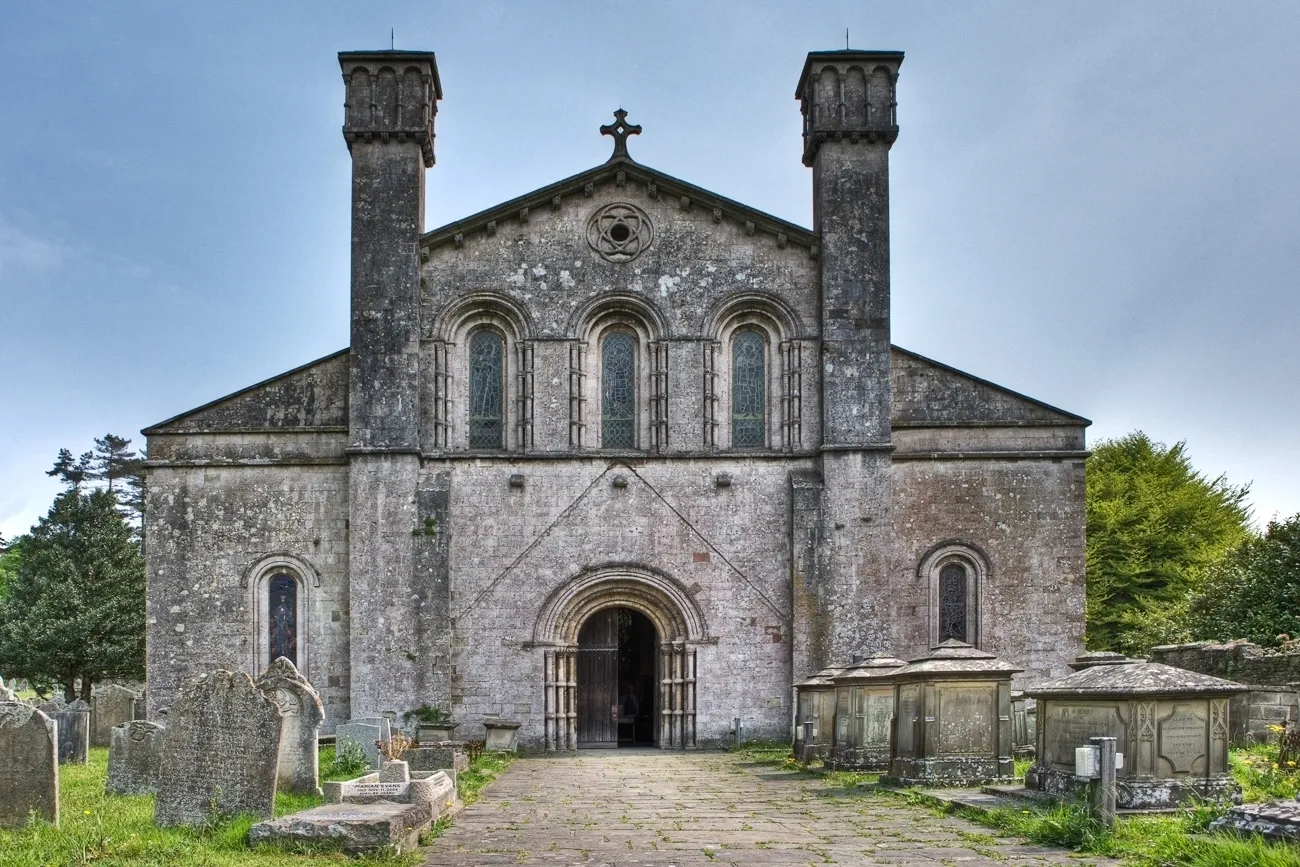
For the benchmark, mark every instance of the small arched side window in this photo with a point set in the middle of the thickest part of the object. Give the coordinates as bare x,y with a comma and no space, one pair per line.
748,391
486,368
618,421
282,618
954,602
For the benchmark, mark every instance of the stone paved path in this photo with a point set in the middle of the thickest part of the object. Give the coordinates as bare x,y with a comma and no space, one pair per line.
661,808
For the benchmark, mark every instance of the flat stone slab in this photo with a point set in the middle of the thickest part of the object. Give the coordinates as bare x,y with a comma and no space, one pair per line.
356,829
653,807
1277,821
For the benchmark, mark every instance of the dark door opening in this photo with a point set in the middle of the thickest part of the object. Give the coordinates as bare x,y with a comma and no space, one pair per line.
617,689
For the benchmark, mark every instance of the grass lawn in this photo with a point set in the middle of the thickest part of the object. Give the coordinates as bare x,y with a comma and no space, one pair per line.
1171,840
111,830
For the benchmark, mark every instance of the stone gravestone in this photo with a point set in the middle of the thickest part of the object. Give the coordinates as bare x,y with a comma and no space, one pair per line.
301,715
220,750
29,765
363,734
74,733
7,694
134,758
111,706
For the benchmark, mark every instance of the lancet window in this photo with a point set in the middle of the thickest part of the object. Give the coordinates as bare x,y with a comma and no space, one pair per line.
486,423
282,619
618,422
953,602
748,390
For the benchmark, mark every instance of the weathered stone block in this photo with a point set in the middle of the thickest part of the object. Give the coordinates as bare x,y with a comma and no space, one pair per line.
356,829
134,758
220,751
74,733
110,706
29,765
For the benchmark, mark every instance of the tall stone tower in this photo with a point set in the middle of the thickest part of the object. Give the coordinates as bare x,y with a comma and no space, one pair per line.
390,106
849,124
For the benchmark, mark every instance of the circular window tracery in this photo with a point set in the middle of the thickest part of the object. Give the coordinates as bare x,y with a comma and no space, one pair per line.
620,232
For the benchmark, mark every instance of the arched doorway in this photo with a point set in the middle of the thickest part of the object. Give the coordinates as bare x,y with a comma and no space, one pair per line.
665,643
618,680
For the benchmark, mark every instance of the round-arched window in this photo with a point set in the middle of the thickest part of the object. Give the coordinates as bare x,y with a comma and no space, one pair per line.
282,618
486,423
748,391
618,391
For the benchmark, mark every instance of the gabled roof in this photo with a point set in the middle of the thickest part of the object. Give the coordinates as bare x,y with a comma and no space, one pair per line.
929,392
622,170
313,395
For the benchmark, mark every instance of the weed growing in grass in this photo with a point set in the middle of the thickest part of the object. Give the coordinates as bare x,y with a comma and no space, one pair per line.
1261,776
345,761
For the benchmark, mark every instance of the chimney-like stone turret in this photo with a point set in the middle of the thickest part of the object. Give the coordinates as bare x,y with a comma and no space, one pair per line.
844,601
849,122
388,124
392,97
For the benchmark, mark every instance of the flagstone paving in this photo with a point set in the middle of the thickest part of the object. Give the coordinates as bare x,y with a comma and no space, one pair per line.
662,808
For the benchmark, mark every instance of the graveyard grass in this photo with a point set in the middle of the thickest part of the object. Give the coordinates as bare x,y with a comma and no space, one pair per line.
112,830
1177,840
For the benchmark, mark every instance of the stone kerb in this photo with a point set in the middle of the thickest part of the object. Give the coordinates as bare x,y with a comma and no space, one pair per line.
134,758
109,707
29,765
301,716
423,787
220,751
74,733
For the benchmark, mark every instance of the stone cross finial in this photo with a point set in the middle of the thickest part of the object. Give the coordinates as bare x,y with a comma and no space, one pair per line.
620,129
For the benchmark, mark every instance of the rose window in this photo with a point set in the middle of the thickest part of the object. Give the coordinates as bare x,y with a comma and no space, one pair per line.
620,232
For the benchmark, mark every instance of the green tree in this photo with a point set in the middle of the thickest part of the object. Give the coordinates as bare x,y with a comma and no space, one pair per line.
72,612
1255,592
1155,525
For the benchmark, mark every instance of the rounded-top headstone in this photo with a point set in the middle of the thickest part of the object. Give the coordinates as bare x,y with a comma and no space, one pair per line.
301,715
29,765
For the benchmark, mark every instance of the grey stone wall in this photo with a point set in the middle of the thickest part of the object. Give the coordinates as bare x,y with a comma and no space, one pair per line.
207,528
1270,701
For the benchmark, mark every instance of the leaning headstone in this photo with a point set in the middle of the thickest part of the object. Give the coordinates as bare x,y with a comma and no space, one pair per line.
363,735
110,706
301,716
74,733
29,765
219,752
384,723
134,758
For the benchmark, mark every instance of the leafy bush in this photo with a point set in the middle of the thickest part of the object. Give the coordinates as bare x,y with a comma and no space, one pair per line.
349,760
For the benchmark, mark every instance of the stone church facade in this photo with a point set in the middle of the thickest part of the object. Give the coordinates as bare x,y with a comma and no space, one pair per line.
620,435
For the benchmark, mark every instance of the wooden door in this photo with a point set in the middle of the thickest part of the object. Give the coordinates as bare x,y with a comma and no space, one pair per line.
598,680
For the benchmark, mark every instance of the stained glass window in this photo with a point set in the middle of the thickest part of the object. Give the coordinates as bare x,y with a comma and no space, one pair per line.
282,619
952,602
485,425
748,391
618,392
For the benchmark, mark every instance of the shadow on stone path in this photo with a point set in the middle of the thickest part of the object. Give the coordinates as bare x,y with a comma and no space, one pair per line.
663,808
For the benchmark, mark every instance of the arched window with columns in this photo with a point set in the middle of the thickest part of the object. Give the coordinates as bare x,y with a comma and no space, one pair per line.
486,390
956,573
618,406
748,390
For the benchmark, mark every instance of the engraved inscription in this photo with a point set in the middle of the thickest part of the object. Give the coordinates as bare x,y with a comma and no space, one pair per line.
966,720
880,711
1182,738
1069,726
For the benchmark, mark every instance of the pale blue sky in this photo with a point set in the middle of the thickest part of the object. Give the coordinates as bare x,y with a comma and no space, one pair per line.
1097,204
